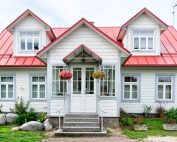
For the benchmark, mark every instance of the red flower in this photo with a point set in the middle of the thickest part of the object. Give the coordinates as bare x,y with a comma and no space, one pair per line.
65,75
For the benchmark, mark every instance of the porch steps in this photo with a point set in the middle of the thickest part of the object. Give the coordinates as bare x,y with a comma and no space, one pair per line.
81,125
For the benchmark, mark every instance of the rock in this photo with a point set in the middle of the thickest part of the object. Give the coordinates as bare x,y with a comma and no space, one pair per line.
47,125
140,127
170,127
16,129
32,126
2,118
11,117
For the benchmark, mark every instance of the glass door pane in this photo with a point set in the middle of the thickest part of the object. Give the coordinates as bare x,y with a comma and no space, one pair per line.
77,80
89,81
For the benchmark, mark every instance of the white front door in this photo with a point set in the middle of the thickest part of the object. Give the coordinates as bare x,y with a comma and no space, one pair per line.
83,96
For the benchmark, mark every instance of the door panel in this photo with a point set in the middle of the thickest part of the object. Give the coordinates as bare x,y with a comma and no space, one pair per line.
83,97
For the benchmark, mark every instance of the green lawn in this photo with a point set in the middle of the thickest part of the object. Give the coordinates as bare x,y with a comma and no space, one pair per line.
155,128
7,136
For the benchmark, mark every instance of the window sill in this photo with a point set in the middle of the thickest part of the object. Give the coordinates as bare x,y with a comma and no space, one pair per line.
38,100
130,101
7,100
165,101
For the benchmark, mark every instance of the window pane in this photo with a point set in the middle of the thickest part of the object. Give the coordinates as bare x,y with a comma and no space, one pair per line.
42,88
10,95
22,34
34,94
3,79
167,79
3,91
143,43
150,43
10,88
29,44
42,94
160,91
41,79
22,43
29,34
134,88
36,43
136,43
34,88
134,95
127,88
168,92
134,79
126,95
34,79
127,79
160,79
9,79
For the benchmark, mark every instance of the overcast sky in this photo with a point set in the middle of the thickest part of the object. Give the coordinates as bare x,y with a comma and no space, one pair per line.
67,12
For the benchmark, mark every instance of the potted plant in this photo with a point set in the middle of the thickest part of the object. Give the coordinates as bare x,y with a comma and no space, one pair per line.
170,120
138,124
98,74
65,75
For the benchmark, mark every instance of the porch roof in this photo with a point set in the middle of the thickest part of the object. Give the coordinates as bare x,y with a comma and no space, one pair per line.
82,53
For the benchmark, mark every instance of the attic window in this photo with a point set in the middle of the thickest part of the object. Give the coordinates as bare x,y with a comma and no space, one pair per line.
143,39
29,41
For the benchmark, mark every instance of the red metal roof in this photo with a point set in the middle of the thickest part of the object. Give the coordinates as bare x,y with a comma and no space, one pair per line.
6,54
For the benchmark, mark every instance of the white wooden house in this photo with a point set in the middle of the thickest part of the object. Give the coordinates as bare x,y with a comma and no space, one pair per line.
139,60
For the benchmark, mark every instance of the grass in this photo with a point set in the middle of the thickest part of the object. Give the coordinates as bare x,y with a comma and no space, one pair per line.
6,135
155,128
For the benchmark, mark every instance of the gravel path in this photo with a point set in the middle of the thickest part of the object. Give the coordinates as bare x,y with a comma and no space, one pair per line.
161,139
114,137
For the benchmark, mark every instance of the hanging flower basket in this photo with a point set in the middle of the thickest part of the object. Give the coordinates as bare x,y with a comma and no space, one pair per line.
65,75
98,74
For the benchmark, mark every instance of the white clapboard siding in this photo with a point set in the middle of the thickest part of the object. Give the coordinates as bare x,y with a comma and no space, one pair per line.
29,23
91,39
147,93
22,83
54,107
143,22
110,108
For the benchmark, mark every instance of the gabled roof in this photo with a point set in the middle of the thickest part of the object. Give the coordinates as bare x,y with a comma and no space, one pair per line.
74,27
79,50
24,15
6,54
168,57
143,11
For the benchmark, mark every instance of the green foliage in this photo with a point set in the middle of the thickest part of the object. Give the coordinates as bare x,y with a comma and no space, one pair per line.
42,116
138,120
6,135
29,116
147,110
20,107
171,116
155,128
124,118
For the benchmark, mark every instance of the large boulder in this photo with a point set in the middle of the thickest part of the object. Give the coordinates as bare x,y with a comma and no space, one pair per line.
47,125
2,118
11,117
32,126
15,129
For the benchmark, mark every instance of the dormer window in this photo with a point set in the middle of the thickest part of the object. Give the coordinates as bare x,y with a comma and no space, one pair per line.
29,41
143,39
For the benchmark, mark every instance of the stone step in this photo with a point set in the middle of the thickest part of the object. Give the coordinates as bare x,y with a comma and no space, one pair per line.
81,119
79,134
81,129
81,116
81,124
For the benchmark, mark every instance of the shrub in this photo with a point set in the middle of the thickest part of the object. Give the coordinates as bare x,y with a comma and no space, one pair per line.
20,107
171,116
147,110
160,111
124,118
42,116
29,116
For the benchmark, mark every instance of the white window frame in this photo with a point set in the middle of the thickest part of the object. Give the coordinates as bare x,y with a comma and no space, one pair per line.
38,87
59,80
113,94
131,84
143,36
164,84
26,37
7,84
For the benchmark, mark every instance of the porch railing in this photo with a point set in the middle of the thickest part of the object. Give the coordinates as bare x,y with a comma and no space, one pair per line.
101,113
65,105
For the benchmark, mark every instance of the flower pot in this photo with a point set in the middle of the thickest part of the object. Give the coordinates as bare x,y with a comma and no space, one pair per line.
170,127
140,127
65,75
